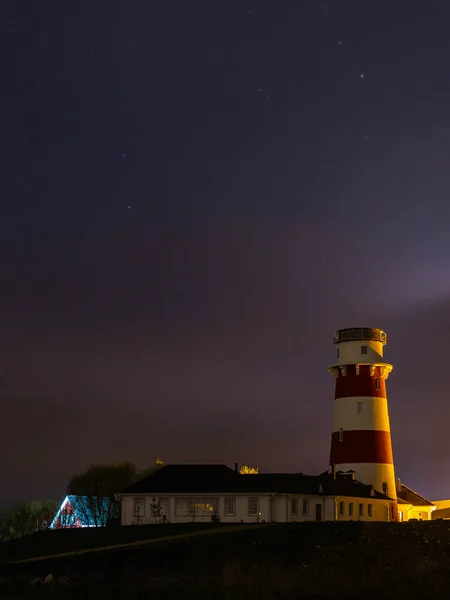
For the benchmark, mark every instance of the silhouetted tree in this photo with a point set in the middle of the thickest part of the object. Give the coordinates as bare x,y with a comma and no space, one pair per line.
98,487
155,510
150,470
215,518
29,517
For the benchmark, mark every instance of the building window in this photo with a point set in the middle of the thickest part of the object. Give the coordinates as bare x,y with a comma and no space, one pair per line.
361,509
305,508
341,435
294,506
341,508
350,509
363,349
359,407
230,507
384,487
164,505
377,383
139,507
253,507
196,507
369,510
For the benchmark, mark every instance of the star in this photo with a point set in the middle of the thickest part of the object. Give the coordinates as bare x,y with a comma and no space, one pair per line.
361,75
124,155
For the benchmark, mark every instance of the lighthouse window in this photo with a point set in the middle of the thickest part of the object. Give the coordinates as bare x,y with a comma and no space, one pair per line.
385,487
359,407
377,383
363,349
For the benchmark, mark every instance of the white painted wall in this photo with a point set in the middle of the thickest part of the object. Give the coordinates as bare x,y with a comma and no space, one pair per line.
374,474
277,508
350,352
422,513
241,505
380,509
375,415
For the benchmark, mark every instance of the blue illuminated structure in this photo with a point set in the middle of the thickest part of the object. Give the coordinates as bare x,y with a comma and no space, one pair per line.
83,511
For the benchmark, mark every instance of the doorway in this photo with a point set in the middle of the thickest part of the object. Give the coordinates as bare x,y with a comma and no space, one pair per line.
318,512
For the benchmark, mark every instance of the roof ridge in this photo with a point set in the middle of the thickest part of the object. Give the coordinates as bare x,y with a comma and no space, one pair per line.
416,493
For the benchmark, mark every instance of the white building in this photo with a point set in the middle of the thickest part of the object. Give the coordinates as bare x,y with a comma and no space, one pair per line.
186,493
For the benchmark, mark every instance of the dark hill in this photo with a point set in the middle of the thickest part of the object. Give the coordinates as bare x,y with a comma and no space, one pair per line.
310,560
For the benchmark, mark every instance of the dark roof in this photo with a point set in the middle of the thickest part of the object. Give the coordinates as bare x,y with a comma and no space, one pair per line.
186,479
220,479
412,497
401,501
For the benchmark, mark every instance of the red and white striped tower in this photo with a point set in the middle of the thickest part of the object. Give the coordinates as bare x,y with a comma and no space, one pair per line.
361,439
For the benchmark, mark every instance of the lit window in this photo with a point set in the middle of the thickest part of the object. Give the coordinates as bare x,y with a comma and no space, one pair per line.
230,507
253,507
359,407
369,510
350,509
294,506
341,435
341,508
361,510
363,349
196,507
139,507
305,508
377,383
384,488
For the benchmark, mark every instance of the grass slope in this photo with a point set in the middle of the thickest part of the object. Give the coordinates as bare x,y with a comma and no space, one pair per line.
309,560
47,542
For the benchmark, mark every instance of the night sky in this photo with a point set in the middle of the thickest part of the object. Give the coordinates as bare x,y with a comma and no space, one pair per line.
194,197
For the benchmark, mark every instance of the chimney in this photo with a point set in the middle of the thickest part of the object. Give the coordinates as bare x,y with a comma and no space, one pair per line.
236,467
399,485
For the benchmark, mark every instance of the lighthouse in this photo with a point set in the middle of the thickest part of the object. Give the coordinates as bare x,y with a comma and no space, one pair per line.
361,438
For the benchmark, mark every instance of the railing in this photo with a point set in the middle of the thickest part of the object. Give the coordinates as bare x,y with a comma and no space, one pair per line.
362,333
